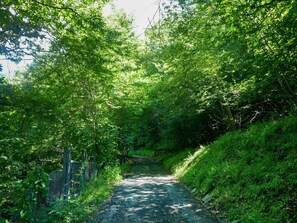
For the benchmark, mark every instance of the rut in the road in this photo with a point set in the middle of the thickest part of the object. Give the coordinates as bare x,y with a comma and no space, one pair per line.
148,194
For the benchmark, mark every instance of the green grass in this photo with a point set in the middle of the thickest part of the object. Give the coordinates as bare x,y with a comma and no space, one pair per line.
142,152
251,176
98,190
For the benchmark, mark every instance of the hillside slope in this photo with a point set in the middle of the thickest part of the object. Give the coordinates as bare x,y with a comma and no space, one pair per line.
247,176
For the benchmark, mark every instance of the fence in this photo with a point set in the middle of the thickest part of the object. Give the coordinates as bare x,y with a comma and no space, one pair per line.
64,183
71,180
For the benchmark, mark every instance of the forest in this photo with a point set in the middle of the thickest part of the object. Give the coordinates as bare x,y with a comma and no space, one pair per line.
210,73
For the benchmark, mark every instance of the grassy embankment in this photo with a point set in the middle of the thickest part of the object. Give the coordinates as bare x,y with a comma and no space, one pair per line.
142,152
249,176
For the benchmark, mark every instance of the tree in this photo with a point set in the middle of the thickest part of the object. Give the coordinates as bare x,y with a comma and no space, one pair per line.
68,97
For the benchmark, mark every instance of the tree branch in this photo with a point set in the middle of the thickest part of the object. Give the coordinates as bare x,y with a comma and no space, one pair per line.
56,7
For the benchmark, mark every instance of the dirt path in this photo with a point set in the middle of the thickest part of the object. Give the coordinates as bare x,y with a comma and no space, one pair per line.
148,194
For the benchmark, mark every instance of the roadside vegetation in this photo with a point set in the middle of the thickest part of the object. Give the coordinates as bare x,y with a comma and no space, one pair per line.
142,152
84,207
245,176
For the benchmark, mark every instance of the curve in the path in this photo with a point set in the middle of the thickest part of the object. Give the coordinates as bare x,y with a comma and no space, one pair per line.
148,194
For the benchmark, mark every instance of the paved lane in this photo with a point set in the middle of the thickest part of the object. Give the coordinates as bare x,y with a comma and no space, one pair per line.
148,194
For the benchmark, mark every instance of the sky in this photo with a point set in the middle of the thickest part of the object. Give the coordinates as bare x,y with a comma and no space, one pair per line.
9,68
143,11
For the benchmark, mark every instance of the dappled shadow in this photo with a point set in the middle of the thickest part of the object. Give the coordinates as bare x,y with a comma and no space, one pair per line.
149,195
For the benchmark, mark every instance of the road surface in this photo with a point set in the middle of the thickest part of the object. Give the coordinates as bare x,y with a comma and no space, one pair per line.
149,194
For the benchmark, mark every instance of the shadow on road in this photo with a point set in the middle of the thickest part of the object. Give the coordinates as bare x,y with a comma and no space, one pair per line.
148,194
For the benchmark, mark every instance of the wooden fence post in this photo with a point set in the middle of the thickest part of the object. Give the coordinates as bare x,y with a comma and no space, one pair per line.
84,171
67,169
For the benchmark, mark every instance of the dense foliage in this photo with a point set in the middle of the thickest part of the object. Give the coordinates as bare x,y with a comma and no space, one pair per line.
220,65
71,96
206,68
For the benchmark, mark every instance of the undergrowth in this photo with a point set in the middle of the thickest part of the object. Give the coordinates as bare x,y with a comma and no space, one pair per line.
249,176
96,192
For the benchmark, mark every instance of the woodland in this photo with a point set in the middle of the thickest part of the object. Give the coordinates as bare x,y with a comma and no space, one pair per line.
210,72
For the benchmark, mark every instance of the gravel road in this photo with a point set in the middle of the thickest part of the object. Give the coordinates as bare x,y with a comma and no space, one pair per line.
148,194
